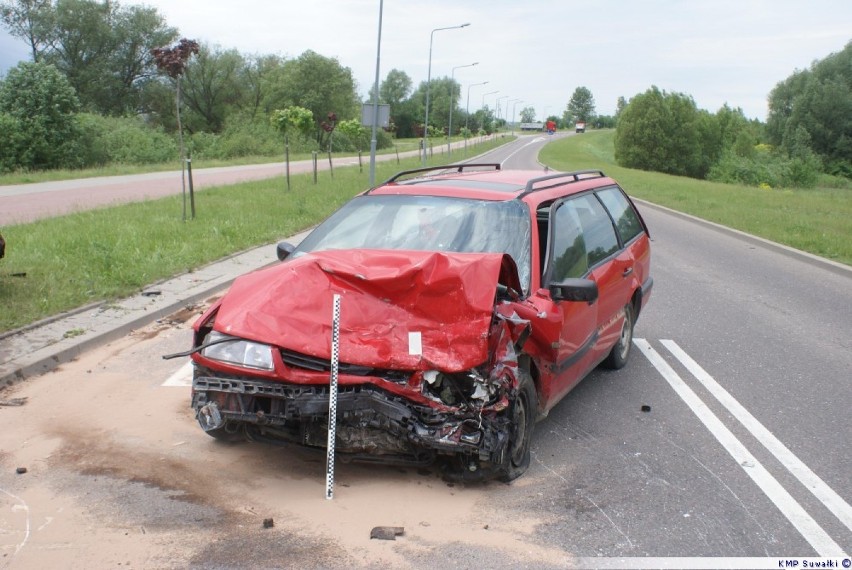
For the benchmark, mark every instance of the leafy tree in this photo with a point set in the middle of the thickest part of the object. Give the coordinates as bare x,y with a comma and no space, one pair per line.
39,107
292,120
581,107
395,88
661,132
212,88
102,48
819,101
30,20
527,115
619,107
319,84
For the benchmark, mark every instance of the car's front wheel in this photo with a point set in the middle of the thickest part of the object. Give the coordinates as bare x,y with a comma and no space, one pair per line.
621,351
523,410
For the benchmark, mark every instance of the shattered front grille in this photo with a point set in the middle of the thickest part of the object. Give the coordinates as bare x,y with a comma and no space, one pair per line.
308,362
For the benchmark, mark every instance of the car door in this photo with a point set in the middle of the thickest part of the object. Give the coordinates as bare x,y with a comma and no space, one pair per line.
567,258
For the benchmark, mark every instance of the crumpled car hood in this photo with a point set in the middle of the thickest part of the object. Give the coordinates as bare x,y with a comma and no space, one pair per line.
399,309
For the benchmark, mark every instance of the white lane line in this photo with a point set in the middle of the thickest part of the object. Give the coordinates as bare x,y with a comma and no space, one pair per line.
181,378
792,510
794,465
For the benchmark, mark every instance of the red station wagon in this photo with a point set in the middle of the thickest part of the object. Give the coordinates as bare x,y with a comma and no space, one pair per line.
472,300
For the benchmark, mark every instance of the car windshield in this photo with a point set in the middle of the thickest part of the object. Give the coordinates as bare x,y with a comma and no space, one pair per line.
428,223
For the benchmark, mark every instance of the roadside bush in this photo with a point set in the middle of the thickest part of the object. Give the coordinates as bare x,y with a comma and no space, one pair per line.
42,106
10,142
244,137
130,141
768,167
352,136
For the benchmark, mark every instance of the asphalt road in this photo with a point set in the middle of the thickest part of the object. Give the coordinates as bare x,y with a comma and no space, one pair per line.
726,435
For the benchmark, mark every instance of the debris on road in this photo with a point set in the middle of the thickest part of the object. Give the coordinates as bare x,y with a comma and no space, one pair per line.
646,408
14,402
387,532
268,523
21,470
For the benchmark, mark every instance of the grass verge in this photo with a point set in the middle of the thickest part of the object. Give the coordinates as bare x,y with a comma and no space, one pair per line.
58,264
813,220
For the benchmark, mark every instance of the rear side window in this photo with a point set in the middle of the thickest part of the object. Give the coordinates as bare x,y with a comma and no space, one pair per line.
601,241
626,220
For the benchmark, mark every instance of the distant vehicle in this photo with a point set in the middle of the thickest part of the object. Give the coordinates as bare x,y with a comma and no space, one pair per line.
473,300
580,127
531,126
551,127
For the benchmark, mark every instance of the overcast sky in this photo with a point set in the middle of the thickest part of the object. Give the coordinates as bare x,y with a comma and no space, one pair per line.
538,51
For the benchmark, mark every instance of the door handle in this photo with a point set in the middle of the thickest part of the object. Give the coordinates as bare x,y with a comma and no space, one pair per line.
627,272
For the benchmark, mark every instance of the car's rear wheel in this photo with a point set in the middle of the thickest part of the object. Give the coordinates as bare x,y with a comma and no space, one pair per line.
621,351
523,412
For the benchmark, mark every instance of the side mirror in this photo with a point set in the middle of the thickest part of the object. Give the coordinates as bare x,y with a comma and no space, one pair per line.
574,290
283,250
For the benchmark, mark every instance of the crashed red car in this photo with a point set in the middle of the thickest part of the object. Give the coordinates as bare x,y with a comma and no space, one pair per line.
472,299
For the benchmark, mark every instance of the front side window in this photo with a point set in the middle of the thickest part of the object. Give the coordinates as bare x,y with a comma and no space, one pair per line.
428,223
582,235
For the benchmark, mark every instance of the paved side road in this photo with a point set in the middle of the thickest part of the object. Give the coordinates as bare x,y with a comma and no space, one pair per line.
22,203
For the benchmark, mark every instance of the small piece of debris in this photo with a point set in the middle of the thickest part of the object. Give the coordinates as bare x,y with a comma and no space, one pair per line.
14,402
646,408
153,293
268,523
485,527
21,470
387,532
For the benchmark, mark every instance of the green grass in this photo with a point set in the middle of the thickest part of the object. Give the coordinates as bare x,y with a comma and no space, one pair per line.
105,254
814,220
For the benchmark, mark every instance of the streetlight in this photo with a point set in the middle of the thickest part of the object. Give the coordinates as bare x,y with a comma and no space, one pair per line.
376,100
486,95
498,105
428,81
467,109
453,103
514,102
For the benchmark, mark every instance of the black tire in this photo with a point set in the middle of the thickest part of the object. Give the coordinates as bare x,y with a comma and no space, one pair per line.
523,411
619,354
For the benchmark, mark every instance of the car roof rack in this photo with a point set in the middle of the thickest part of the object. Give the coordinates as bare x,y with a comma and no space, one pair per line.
576,176
447,167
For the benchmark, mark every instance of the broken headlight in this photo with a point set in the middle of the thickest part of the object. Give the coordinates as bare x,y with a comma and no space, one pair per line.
456,389
234,350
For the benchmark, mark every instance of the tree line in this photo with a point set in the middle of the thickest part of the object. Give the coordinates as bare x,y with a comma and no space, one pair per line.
92,94
808,132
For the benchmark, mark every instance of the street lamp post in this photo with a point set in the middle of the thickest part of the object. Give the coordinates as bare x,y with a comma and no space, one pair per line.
486,95
467,110
514,102
428,81
453,104
376,101
498,105
483,103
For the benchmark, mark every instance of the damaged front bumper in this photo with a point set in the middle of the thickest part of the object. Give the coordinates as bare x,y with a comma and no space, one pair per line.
372,424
